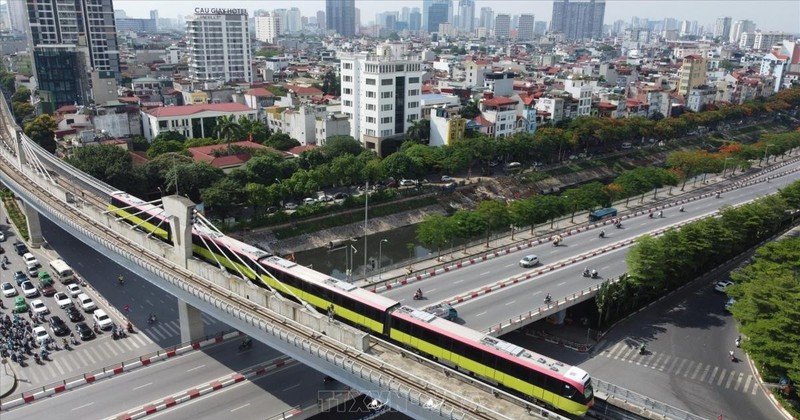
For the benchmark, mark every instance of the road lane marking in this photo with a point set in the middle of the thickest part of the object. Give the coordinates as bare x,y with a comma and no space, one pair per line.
58,366
688,368
677,372
49,367
483,274
730,379
747,383
713,374
96,353
79,355
658,360
142,386
705,372
738,382
195,368
82,406
174,327
562,283
482,313
102,349
510,265
627,353
696,371
291,387
511,303
459,281
721,377
240,407
755,388
432,290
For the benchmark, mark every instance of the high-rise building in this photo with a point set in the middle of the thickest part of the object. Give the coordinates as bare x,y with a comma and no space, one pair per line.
381,94
487,18
405,14
80,33
723,28
502,26
692,74
466,14
539,27
739,27
437,14
219,58
18,16
341,16
321,20
415,20
154,18
294,20
764,41
268,27
525,30
578,19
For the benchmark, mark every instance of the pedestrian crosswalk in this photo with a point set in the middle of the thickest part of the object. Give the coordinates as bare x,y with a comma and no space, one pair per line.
101,352
720,376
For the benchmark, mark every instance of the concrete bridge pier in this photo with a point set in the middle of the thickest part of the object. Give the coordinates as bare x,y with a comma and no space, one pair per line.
34,226
191,322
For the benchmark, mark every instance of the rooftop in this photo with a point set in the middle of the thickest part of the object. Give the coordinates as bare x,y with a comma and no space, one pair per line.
177,111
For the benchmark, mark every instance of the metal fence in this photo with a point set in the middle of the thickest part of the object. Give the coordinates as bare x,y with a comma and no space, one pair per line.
639,400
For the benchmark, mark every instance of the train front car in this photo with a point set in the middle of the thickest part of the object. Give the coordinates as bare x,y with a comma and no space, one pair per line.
520,371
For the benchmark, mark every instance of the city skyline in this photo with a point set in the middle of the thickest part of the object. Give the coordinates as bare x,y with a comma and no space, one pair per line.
787,17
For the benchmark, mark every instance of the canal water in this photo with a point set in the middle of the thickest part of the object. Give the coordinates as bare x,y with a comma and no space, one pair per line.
395,248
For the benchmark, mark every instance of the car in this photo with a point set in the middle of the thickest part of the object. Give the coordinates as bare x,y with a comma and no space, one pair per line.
529,261
729,303
33,272
2,237
39,307
73,314
722,285
42,337
62,300
446,178
29,290
493,163
20,277
73,289
2,250
58,327
86,303
340,196
309,201
8,289
47,288
407,183
21,248
84,332
272,210
20,305
325,199
102,319
290,206
30,260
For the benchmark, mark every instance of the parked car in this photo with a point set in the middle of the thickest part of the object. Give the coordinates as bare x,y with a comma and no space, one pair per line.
325,199
62,300
84,331
42,337
529,261
20,305
73,289
102,319
290,206
8,289
86,303
30,260
407,183
308,201
2,237
729,303
21,248
73,314
58,327
47,288
272,210
722,285
33,272
39,308
20,277
340,196
29,290
446,178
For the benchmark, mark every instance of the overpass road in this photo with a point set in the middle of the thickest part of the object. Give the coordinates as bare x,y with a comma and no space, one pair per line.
564,281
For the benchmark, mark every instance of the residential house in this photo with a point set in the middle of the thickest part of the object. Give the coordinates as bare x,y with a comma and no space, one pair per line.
193,121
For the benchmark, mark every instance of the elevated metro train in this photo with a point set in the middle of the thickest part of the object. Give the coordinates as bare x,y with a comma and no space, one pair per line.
522,372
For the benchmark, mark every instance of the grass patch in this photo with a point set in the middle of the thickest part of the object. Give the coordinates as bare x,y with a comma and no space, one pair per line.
535,176
15,215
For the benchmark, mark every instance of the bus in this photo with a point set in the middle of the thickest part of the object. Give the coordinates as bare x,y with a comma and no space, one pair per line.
601,214
62,271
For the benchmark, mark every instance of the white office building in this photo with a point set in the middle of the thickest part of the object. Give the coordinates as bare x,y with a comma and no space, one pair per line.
219,45
268,27
381,93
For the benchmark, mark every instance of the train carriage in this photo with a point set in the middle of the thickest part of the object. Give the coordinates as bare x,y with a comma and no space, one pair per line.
531,375
141,214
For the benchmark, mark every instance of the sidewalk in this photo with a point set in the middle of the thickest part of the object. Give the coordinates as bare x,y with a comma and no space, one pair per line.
8,379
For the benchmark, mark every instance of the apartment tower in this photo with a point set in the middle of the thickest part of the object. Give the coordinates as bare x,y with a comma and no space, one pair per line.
578,19
219,45
340,16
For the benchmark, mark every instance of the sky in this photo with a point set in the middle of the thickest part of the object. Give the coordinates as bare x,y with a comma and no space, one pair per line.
769,15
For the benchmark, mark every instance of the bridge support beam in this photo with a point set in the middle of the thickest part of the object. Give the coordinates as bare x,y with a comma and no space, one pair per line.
34,226
191,322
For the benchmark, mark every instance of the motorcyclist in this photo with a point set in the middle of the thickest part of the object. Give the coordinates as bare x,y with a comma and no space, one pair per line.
681,209
661,213
718,193
602,234
418,294
730,353
586,271
594,272
548,298
121,280
642,348
618,224
651,215
738,341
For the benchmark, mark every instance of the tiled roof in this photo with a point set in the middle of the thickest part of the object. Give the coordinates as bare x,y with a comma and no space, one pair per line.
300,90
177,111
67,109
499,101
260,92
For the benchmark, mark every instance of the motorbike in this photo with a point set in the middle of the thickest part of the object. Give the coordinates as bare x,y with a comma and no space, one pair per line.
738,341
417,296
602,234
618,225
151,319
642,349
681,209
548,300
586,273
245,344
718,194
37,359
74,341
130,328
44,354
733,356
595,274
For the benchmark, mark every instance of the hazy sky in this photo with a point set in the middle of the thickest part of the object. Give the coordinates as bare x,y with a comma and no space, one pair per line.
767,14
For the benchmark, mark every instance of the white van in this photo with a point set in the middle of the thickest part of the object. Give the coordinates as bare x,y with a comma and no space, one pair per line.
512,167
626,145
62,271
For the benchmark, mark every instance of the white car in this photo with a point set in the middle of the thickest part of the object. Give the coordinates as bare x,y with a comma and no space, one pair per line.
73,289
86,303
290,206
39,308
2,237
62,300
29,290
30,260
722,285
42,337
446,178
102,319
325,199
407,183
529,261
8,289
309,201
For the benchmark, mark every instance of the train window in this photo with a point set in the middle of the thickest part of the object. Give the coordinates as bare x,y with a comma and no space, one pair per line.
569,391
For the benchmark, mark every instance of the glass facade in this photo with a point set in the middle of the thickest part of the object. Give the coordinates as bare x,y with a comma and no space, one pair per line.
63,74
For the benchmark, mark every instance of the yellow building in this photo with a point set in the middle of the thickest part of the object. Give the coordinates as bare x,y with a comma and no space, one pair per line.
446,128
693,73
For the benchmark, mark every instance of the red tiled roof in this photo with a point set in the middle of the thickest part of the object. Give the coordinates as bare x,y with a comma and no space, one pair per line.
527,99
210,149
300,149
300,90
66,109
139,158
177,111
607,105
260,92
499,101
128,99
482,121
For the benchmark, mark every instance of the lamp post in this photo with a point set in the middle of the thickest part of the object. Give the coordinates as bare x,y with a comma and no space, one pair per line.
725,166
380,254
766,158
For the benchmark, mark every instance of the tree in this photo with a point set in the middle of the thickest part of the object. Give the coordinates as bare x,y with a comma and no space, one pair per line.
23,111
228,129
42,131
22,94
398,165
170,136
420,131
435,231
331,85
223,196
164,146
190,179
494,214
253,130
339,145
281,141
470,110
109,164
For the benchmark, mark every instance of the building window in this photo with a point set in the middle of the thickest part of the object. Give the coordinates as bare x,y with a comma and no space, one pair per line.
371,120
386,133
386,107
347,66
348,78
400,67
371,132
386,120
413,80
371,82
386,95
413,104
413,92
412,117
386,82
371,107
347,91
348,103
370,94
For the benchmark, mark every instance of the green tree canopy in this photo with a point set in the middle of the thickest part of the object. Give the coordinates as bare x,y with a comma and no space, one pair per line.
110,164
281,141
42,131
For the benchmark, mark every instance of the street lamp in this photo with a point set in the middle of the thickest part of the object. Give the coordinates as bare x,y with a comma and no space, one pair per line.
725,166
380,254
766,148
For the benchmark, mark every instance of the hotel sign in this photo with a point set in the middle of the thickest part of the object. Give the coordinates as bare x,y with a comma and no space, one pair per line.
216,11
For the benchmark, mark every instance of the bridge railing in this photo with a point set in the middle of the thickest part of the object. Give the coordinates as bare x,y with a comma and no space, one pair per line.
639,400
